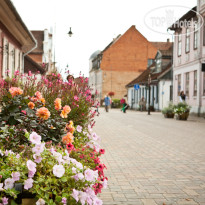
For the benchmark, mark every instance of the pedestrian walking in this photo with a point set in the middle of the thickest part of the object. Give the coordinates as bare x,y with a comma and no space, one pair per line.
107,103
182,96
142,104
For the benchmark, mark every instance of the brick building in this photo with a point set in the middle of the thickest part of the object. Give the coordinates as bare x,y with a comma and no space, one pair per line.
124,58
15,40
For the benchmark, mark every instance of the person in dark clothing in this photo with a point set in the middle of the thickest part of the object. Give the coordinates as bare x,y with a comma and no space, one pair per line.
182,96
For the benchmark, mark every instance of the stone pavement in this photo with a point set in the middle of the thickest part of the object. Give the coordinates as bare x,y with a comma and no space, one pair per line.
152,160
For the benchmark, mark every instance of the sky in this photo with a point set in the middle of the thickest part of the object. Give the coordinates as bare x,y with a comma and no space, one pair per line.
95,23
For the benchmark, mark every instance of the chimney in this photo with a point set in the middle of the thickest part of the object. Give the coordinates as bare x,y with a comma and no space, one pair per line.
168,40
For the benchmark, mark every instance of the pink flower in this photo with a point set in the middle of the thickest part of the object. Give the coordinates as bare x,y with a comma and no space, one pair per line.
29,73
31,174
37,158
5,200
38,149
58,170
38,95
91,175
64,200
28,184
82,197
31,166
8,183
97,201
79,128
24,112
15,176
35,138
75,194
76,98
104,184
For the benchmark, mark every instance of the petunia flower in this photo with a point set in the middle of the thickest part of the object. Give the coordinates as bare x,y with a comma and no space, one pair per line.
15,176
8,183
35,138
58,170
28,183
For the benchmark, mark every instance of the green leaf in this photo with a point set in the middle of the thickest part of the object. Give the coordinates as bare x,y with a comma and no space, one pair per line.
58,199
64,179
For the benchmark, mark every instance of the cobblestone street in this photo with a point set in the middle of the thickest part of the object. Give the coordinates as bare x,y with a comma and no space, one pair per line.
152,160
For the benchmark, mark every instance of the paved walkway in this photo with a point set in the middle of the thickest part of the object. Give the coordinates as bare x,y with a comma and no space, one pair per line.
152,160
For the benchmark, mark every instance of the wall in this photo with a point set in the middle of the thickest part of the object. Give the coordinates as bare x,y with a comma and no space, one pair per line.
125,60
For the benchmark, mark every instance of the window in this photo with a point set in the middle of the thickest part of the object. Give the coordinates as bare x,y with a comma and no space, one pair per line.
179,44
195,83
179,84
195,36
13,61
158,62
150,61
204,85
187,46
187,85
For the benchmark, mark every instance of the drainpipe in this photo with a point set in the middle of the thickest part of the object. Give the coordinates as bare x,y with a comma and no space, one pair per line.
36,44
200,70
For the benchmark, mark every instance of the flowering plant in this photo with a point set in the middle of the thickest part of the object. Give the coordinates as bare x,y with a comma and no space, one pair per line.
49,173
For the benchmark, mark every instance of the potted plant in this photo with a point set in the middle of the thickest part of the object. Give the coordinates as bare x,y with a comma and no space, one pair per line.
182,110
169,111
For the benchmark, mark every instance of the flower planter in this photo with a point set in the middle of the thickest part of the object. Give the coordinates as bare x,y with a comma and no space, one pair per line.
183,116
169,115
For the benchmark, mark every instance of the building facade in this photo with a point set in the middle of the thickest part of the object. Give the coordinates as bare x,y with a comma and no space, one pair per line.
113,68
15,40
160,76
189,55
43,53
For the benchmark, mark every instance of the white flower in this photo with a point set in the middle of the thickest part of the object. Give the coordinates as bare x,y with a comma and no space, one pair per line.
1,186
35,138
15,176
1,153
40,202
9,183
79,128
79,165
58,170
91,175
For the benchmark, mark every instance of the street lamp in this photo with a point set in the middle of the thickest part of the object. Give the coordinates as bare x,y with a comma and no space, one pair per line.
70,33
149,82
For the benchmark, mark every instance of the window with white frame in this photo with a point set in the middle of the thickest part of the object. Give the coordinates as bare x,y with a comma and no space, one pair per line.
179,84
195,36
195,83
187,45
179,44
187,84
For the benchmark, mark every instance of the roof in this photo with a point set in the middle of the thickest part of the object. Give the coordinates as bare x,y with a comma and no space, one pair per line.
39,36
15,25
31,65
190,14
94,54
143,77
111,43
162,45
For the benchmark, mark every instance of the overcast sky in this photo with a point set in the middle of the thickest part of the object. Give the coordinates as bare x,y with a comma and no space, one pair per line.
94,24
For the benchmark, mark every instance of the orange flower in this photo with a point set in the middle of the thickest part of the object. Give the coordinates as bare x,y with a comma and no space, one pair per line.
57,103
68,138
66,109
15,91
63,114
31,105
38,95
43,113
69,127
43,100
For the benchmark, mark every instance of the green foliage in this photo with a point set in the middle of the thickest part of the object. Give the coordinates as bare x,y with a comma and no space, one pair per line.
169,109
181,107
116,103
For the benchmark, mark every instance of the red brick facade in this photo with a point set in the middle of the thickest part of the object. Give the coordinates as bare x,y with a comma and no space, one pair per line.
124,60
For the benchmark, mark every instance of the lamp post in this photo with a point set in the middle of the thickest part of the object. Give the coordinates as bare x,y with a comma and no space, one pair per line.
70,33
149,82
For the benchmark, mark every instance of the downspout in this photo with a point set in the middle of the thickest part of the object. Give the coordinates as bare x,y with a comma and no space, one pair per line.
200,68
36,44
